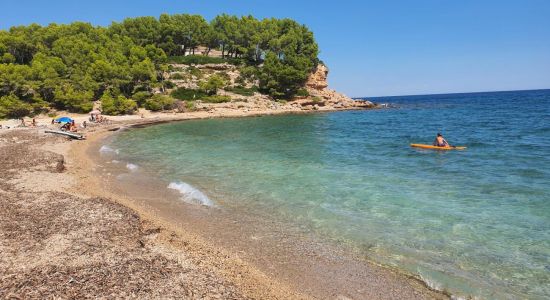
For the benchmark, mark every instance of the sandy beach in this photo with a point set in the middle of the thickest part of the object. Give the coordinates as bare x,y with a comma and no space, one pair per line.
65,233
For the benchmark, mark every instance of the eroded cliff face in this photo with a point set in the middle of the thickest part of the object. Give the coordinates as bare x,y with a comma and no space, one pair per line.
317,80
320,96
317,86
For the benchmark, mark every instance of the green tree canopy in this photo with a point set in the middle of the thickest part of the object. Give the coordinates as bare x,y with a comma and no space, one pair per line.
70,66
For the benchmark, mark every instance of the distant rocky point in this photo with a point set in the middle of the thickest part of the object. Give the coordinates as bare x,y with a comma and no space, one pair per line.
320,96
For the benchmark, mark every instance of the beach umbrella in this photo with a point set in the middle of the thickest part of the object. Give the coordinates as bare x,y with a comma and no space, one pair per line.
64,120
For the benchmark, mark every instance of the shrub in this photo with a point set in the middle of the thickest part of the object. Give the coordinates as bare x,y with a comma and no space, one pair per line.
171,68
241,90
212,85
248,73
117,105
194,71
302,93
190,105
141,97
177,76
225,76
188,94
141,88
7,58
169,84
316,99
216,99
67,97
12,107
152,105
159,102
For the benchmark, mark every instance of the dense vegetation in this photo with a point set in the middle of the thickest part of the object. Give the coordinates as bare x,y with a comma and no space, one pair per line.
69,66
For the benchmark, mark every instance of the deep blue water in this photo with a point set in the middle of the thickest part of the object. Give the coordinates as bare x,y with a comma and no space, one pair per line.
474,222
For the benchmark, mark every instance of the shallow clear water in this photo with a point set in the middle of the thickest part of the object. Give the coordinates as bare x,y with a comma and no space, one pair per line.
474,222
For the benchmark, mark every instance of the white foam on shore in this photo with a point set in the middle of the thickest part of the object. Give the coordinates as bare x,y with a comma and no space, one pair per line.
191,194
106,149
430,283
132,167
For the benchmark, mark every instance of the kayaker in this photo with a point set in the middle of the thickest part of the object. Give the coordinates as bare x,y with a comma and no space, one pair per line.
440,141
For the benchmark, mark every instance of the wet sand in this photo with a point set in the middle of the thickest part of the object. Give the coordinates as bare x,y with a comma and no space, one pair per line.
112,240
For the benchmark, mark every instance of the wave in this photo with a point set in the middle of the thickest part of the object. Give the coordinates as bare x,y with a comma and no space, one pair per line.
132,167
106,149
191,194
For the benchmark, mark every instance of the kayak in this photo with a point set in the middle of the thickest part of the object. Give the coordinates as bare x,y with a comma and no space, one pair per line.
437,148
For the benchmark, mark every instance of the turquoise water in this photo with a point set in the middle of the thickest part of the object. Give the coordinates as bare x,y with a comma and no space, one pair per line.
473,222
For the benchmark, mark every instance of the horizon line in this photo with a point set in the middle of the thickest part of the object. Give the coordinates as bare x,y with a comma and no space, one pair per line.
454,93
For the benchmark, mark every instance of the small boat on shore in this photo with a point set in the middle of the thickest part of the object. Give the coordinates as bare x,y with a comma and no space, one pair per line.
424,146
65,133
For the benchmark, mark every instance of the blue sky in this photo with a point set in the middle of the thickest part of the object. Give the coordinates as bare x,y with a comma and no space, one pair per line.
373,48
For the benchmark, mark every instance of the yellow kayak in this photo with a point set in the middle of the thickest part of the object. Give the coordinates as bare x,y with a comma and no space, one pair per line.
437,148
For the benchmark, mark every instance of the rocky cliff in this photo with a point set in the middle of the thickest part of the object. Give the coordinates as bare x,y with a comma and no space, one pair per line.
320,96
317,86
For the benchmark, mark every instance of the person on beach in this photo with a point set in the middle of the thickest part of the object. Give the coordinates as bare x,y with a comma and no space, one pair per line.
33,122
440,141
72,127
23,123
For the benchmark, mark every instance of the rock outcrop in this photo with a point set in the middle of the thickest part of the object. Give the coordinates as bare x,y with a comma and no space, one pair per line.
320,96
317,80
317,87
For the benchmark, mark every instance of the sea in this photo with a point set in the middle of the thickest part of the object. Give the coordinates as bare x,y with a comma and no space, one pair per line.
473,222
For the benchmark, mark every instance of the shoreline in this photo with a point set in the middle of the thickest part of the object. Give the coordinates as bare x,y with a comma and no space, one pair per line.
149,117
170,235
246,277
